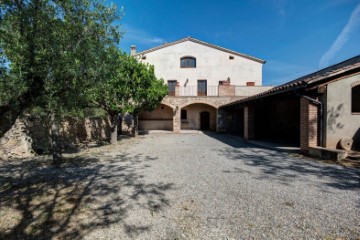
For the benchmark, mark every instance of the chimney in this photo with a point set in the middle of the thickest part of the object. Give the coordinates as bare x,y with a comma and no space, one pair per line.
132,50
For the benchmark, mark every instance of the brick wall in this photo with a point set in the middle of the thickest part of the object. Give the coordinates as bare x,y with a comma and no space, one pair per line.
226,90
308,125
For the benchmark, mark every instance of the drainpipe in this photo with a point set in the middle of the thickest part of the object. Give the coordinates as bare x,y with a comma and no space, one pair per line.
320,104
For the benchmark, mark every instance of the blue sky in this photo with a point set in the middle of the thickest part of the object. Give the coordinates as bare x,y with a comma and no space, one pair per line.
295,37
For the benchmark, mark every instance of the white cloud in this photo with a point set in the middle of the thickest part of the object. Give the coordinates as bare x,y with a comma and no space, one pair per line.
144,38
352,25
282,72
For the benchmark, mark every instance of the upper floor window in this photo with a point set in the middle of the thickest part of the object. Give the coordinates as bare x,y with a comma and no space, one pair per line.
188,62
355,99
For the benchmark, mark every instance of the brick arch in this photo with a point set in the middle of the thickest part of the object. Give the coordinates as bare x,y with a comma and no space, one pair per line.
167,104
199,102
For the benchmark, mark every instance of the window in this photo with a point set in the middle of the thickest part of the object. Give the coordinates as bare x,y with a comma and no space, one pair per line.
188,62
183,114
202,87
355,99
171,87
231,57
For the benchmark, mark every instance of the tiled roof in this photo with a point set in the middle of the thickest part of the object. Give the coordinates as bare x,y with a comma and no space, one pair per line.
311,79
203,43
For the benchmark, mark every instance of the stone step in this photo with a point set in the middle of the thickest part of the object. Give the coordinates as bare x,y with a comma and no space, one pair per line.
354,155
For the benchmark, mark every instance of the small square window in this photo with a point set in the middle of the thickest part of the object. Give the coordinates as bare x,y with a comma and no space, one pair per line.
231,57
143,57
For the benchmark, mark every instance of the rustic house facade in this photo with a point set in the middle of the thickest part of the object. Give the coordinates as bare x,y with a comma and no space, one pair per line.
201,77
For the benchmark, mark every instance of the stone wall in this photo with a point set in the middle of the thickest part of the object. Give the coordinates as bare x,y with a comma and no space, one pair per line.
16,143
30,135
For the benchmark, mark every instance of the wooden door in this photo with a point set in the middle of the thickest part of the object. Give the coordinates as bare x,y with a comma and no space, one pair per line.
202,88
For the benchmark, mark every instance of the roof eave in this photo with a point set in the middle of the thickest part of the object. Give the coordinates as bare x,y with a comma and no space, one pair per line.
203,43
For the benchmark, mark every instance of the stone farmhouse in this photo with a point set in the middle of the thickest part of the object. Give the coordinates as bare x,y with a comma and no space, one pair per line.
201,77
214,88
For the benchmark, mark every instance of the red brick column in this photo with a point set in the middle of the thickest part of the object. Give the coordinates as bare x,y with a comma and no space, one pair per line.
308,125
226,90
249,123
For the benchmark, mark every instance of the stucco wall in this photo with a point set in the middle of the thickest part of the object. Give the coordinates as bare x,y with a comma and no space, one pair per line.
211,64
340,121
160,118
162,112
247,91
193,116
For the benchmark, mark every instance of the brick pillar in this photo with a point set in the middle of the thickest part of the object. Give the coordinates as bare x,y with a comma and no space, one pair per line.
176,120
249,123
308,125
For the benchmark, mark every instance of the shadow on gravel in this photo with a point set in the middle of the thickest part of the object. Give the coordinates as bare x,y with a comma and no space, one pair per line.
286,167
39,201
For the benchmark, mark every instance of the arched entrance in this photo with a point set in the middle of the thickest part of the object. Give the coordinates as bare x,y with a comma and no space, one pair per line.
205,121
198,116
160,118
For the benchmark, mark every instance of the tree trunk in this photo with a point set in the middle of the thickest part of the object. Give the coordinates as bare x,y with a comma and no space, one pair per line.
113,128
136,123
55,139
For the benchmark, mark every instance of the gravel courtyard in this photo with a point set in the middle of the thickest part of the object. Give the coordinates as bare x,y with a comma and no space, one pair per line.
179,186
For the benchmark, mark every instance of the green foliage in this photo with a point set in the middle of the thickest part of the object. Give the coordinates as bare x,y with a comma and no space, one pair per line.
54,50
128,86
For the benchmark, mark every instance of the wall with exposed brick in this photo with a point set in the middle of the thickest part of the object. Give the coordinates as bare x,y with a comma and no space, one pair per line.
308,124
226,90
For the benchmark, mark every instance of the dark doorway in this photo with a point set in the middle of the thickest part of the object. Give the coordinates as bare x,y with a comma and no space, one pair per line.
205,121
278,119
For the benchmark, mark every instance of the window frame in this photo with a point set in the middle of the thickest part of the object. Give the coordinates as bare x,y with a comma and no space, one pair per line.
171,92
187,62
202,87
355,111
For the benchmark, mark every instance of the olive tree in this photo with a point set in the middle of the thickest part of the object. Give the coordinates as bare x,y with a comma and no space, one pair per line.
51,52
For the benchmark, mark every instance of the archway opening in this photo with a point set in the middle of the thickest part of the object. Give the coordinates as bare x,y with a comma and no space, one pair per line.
160,118
198,116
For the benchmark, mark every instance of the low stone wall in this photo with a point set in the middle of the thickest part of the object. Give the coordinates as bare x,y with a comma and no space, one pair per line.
16,143
30,135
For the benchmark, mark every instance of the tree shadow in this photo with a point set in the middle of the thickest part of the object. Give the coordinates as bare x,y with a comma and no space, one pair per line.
286,167
333,115
39,201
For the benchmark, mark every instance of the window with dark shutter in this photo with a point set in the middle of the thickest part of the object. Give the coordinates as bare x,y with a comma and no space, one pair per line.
188,62
355,99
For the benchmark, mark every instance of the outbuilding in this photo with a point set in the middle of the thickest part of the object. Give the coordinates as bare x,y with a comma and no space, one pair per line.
319,110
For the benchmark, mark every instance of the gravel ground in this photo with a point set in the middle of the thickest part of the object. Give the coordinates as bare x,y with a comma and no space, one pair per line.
180,186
